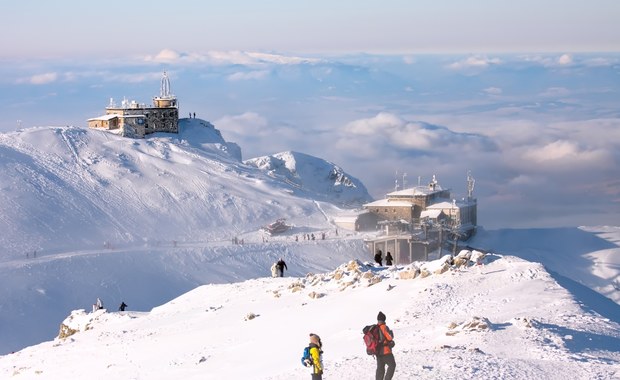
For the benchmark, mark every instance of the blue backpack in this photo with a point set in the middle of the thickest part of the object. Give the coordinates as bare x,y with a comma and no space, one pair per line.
306,359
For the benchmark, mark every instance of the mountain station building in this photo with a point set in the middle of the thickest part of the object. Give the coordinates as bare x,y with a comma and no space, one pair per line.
418,220
136,120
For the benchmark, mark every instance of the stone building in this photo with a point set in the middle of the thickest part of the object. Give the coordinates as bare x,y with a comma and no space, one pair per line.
418,220
133,119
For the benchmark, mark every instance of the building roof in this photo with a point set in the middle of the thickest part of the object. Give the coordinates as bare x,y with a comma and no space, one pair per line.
416,191
441,206
454,204
388,203
104,117
433,214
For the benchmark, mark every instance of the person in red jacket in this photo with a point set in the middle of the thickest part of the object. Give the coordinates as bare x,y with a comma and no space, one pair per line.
384,352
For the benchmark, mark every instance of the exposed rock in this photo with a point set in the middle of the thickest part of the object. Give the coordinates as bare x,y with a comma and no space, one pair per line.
66,331
316,295
250,316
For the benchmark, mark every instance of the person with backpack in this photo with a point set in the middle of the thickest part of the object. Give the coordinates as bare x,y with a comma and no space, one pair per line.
313,357
384,350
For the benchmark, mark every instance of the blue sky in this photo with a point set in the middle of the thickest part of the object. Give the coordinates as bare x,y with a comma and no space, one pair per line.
112,28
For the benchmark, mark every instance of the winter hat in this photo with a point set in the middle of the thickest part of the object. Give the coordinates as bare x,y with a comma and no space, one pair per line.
381,317
315,339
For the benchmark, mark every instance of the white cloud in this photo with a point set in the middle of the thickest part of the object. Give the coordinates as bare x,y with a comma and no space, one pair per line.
566,155
43,78
167,55
600,62
553,92
493,90
154,77
243,123
568,60
388,131
234,57
474,62
258,74
565,59
375,125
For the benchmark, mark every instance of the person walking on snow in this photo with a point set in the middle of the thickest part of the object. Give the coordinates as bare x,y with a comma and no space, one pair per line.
317,357
122,307
274,270
388,259
384,351
379,258
281,266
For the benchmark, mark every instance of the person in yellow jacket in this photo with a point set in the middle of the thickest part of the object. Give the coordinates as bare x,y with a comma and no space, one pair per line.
317,357
384,351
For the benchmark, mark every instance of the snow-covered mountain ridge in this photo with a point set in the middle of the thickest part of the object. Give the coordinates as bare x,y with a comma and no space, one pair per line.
300,170
475,322
87,187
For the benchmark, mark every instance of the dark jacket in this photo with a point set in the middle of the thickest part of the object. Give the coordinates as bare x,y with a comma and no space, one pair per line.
378,258
281,265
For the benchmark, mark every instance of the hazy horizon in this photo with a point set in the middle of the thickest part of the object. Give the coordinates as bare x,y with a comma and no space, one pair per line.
524,95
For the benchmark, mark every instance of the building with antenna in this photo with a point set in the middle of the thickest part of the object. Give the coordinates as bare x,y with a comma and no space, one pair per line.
415,221
133,119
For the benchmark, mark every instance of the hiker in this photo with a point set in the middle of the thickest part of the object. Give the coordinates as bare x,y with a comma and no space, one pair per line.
274,270
98,305
316,359
281,265
388,259
384,351
379,258
123,306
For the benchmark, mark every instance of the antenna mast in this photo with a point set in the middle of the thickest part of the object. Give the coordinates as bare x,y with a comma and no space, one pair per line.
396,182
470,185
164,91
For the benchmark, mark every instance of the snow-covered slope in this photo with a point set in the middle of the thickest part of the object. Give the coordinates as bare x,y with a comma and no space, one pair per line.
313,177
508,319
145,221
87,213
68,188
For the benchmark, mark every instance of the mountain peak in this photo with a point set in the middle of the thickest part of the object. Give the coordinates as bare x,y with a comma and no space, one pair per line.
313,176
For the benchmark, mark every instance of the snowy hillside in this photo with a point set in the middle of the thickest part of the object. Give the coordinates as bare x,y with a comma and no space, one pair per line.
68,188
303,171
507,319
87,213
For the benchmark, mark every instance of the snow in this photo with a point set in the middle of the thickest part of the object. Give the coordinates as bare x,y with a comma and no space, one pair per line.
505,319
543,304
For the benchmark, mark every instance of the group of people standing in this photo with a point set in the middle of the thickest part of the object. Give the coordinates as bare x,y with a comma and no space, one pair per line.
385,356
379,258
277,269
98,305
